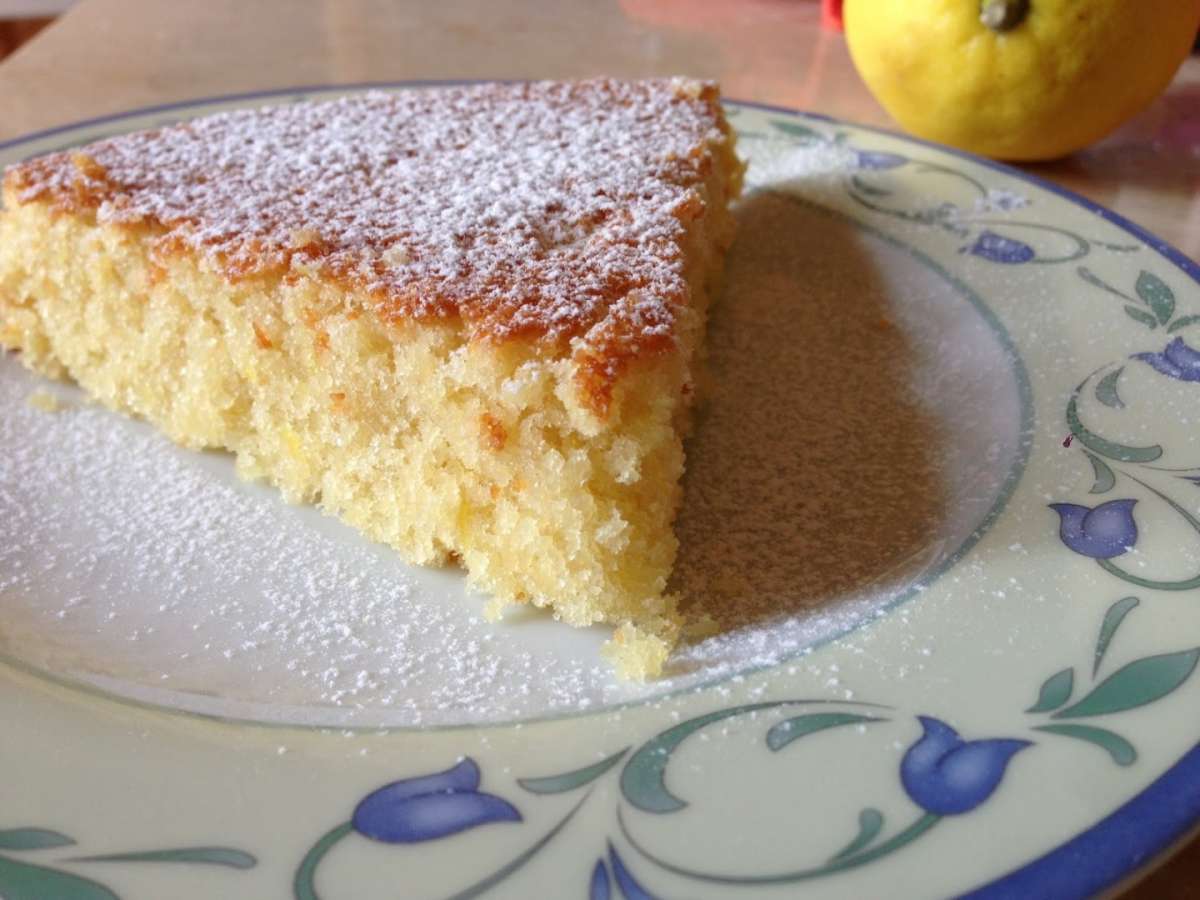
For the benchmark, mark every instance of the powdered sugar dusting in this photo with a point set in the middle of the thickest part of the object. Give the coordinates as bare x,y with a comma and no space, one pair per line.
820,487
524,208
860,423
153,571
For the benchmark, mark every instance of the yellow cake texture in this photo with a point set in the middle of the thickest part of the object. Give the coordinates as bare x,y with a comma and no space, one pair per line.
464,320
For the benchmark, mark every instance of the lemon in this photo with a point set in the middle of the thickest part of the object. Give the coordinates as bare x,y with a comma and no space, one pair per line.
1018,79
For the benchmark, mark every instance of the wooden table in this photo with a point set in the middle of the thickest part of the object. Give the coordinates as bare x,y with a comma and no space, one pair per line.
109,55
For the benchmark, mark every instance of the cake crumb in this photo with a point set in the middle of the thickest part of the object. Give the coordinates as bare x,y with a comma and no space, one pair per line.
636,654
46,402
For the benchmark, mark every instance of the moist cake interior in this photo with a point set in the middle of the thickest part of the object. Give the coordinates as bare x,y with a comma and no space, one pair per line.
464,320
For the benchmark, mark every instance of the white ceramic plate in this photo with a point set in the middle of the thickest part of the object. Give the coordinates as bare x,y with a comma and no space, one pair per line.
945,490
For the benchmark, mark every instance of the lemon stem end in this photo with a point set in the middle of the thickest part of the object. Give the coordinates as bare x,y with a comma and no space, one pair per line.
1003,15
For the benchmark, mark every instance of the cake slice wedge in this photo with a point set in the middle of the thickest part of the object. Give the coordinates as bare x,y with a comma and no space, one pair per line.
464,320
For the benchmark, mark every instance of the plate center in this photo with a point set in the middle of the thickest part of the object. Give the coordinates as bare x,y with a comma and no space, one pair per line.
863,422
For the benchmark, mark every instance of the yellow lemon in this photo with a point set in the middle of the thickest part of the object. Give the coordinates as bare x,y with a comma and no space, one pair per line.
1018,79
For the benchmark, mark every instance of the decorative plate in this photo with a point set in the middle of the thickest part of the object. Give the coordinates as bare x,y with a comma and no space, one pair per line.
944,497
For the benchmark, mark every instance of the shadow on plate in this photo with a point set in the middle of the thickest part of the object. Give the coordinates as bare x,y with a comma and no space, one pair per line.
813,470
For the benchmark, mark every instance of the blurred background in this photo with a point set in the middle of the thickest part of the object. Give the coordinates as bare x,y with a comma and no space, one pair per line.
22,19
775,51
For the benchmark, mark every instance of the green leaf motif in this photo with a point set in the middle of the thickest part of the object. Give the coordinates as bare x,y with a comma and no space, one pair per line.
1095,281
25,881
803,132
870,823
1141,316
1056,690
643,780
1182,322
1154,293
1136,684
32,839
896,842
213,856
1103,446
1118,748
1112,621
1106,390
569,781
797,727
1103,477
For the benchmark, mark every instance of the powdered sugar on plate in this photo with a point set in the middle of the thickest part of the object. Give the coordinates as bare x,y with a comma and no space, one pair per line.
860,422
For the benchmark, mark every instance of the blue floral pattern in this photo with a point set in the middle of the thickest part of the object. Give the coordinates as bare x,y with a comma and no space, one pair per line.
630,888
875,160
944,775
1104,532
1177,360
1109,530
600,887
430,807
947,776
1000,249
866,183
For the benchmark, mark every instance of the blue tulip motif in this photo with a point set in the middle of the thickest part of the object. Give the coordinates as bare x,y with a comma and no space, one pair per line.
600,886
411,811
1177,360
430,807
947,776
877,161
1106,531
1000,249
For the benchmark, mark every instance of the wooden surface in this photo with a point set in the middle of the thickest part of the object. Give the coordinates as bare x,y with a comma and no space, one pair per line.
108,55
104,56
15,32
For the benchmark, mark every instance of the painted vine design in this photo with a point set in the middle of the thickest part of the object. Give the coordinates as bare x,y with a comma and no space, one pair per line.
21,879
943,774
987,226
1109,529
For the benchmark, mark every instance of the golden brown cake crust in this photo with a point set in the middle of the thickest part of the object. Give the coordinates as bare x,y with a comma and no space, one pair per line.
419,198
422,309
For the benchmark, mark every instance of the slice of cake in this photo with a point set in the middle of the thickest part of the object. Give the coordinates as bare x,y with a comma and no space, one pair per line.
463,320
